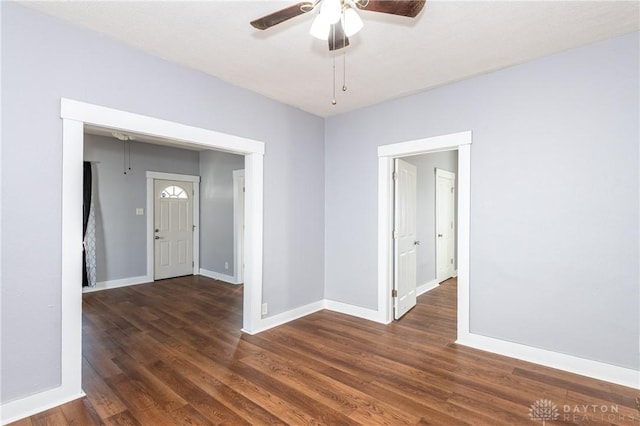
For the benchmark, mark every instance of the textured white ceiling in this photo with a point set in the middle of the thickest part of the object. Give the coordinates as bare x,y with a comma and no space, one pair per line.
391,57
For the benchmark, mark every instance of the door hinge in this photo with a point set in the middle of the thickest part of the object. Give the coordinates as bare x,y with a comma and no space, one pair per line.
394,293
193,263
452,261
452,189
395,175
394,235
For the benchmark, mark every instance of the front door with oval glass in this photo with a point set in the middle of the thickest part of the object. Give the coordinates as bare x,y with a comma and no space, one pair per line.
173,229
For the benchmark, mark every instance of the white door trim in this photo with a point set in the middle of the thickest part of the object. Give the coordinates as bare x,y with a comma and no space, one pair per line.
151,176
460,141
238,223
74,116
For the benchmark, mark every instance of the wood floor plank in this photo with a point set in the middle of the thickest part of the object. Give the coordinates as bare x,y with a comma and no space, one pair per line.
188,415
99,349
321,413
102,398
232,400
53,417
210,375
172,353
124,418
80,413
158,392
199,399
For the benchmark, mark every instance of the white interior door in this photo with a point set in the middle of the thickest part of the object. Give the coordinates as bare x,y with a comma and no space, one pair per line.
173,228
405,243
445,224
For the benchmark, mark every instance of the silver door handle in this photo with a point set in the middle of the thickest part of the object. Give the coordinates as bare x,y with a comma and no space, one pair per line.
157,238
416,243
439,235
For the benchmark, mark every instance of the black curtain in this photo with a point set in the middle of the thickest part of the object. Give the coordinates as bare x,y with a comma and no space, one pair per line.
86,206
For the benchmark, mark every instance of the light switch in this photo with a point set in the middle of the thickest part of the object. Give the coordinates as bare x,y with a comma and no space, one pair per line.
139,211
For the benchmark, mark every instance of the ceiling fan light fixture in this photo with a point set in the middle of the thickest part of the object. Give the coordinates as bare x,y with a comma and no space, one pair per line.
352,22
320,28
331,10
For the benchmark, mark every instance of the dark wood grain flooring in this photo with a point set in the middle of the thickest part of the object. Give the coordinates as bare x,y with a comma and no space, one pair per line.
171,353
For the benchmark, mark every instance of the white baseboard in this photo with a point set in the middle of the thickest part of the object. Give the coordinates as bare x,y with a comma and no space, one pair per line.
34,404
285,317
331,305
106,285
585,367
218,276
354,311
422,289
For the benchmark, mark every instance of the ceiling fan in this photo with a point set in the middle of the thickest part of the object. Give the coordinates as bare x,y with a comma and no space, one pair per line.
337,20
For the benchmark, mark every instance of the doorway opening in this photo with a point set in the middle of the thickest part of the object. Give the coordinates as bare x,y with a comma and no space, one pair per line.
424,225
131,238
386,156
75,116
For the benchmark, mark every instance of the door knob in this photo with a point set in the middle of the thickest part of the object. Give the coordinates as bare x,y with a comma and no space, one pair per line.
156,230
439,235
157,238
416,243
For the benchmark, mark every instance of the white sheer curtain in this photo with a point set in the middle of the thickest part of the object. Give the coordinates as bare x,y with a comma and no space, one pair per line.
89,222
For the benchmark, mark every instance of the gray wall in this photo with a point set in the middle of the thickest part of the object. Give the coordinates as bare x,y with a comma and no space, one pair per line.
59,60
554,198
216,210
120,234
426,208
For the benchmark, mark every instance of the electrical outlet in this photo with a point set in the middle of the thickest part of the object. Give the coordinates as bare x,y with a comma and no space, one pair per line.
226,265
265,309
139,211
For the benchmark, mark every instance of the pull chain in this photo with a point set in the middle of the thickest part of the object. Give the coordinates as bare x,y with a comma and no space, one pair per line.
333,102
126,149
344,71
344,62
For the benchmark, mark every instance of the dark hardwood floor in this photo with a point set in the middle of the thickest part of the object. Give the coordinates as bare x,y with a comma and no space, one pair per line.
171,353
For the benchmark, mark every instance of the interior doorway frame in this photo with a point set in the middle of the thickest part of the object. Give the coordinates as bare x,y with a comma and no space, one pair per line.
238,225
386,154
75,115
195,180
